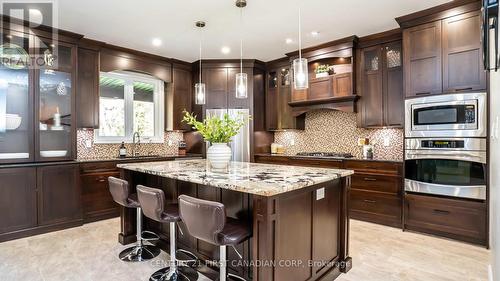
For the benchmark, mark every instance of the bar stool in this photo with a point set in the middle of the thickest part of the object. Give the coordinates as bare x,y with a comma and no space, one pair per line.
207,221
153,202
120,192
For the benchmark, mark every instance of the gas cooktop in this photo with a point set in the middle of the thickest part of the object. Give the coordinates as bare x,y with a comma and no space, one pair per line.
325,155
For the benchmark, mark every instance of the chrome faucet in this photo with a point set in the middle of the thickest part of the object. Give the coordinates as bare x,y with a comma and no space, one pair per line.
136,139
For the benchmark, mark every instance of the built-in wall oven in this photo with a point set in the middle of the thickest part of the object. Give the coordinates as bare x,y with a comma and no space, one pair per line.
453,115
446,166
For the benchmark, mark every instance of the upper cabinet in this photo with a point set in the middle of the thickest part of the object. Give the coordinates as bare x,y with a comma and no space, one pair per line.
88,88
462,47
279,114
37,102
16,104
55,102
381,81
422,59
442,51
182,91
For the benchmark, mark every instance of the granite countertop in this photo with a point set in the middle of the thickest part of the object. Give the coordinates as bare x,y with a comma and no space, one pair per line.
130,158
379,159
252,178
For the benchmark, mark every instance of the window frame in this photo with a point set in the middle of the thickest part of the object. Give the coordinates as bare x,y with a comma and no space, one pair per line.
159,105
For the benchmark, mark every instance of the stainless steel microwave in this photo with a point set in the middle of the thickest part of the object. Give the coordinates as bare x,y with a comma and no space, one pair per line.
452,115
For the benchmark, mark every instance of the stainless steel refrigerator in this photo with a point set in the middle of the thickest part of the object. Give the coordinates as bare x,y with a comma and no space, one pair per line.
240,144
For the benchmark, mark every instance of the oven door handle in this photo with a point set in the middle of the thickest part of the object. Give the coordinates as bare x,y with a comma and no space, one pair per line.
451,155
464,191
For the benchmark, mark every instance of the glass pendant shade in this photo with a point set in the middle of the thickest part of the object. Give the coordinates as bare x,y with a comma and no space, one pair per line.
199,93
241,86
300,74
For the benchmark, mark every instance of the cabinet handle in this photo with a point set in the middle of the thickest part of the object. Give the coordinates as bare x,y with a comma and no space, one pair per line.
369,201
437,211
370,179
422,93
462,89
101,180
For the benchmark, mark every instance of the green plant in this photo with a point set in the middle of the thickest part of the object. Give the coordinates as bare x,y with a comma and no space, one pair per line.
322,68
215,129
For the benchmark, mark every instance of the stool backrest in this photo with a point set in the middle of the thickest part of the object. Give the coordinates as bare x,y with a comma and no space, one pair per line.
120,190
152,202
204,219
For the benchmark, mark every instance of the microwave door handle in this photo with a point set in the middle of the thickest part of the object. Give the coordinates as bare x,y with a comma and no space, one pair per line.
453,155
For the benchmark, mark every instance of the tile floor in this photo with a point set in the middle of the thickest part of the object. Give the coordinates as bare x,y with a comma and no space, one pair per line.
89,253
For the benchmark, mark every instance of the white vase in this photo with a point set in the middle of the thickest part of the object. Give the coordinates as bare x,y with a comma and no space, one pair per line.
219,155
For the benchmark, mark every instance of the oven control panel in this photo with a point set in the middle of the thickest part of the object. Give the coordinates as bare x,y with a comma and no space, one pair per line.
443,144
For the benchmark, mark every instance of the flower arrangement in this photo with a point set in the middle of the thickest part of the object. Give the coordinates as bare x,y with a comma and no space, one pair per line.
215,129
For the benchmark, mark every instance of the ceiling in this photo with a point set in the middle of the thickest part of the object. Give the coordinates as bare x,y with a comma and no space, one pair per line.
266,23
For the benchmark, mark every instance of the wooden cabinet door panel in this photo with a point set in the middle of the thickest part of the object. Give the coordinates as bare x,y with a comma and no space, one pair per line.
299,95
393,85
342,85
182,83
87,96
271,109
17,199
462,53
372,94
320,88
96,198
216,80
59,196
422,59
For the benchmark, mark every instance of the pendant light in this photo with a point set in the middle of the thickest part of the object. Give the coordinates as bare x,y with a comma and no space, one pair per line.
199,88
300,71
241,78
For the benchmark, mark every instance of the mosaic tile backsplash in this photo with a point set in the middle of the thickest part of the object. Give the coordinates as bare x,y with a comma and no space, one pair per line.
100,150
336,131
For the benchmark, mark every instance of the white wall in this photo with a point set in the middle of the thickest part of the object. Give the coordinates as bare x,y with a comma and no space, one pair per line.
495,174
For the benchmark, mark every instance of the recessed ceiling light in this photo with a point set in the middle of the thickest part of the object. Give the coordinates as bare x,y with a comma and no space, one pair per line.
225,50
289,40
314,33
156,42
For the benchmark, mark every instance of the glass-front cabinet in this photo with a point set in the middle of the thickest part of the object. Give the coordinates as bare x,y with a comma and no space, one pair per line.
36,99
16,100
54,94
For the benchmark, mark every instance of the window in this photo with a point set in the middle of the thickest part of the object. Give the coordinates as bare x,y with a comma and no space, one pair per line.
129,103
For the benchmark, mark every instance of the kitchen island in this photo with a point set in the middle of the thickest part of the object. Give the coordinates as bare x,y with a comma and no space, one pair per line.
298,215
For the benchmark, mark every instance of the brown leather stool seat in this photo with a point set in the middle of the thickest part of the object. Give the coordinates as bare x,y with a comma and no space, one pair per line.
207,221
120,191
153,205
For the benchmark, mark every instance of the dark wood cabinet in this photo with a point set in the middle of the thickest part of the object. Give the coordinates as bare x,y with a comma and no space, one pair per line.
17,199
59,196
381,79
87,94
97,201
463,220
182,97
279,115
462,53
445,54
422,59
216,80
372,90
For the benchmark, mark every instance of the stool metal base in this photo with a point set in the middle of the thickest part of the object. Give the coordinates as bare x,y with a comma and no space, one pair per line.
184,273
139,253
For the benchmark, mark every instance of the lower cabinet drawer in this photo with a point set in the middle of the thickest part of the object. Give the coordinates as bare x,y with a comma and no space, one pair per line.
453,218
375,207
390,184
